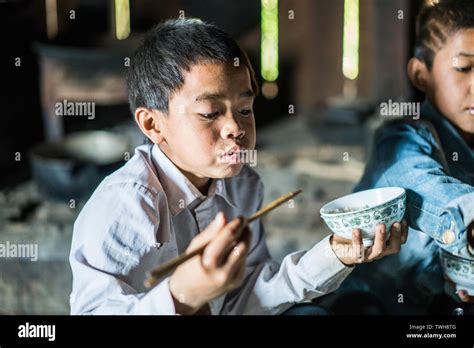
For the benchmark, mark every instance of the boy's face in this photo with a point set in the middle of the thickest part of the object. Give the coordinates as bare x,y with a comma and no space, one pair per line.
451,81
209,117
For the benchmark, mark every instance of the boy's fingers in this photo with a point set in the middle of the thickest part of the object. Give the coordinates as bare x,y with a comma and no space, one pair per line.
235,259
239,273
222,243
357,245
245,236
464,296
395,239
377,249
241,234
237,249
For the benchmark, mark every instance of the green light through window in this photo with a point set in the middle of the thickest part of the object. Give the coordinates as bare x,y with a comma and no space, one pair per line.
269,43
122,19
350,46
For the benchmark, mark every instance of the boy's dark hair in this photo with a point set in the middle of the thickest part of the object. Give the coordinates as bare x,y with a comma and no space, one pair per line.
171,48
438,21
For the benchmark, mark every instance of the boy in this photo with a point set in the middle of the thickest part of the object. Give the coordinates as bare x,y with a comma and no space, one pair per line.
433,160
191,89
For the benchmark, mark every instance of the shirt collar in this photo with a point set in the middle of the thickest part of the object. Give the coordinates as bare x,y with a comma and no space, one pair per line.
179,190
222,187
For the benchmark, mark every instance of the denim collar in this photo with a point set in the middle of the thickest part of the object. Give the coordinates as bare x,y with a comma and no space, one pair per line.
451,141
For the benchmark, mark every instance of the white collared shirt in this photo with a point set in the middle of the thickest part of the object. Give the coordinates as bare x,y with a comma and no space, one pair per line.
147,212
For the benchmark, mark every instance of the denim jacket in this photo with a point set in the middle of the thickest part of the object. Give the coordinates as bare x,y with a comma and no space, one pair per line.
433,163
437,170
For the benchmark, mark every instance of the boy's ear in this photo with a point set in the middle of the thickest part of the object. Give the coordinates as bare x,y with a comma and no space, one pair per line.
418,73
150,122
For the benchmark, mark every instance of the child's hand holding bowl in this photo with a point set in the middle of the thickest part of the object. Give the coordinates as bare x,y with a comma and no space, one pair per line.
367,225
353,251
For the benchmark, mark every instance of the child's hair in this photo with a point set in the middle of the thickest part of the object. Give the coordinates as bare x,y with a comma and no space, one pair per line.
438,21
171,48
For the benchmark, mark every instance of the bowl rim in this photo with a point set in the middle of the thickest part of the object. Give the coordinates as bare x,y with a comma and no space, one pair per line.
40,151
402,195
442,251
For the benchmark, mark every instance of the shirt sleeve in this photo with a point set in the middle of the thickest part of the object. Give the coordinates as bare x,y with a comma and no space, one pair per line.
270,288
112,241
438,204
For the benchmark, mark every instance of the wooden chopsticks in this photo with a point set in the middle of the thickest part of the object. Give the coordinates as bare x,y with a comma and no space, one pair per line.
163,269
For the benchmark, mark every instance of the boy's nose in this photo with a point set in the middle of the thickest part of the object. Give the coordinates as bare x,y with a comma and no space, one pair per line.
232,128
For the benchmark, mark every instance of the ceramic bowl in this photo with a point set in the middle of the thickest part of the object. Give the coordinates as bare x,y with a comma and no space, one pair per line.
460,269
365,210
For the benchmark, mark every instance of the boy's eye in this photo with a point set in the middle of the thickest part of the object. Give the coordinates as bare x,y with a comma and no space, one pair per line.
463,69
245,112
210,115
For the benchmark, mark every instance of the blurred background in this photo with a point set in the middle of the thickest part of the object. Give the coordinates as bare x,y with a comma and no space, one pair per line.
324,67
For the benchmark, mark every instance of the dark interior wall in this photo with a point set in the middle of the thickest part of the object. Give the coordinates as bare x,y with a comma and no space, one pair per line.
23,25
313,45
415,6
391,49
20,125
310,53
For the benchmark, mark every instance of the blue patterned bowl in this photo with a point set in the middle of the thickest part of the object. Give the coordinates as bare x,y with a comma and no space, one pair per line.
460,269
365,210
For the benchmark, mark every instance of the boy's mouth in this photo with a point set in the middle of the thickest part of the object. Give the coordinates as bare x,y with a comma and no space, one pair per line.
233,150
232,155
470,110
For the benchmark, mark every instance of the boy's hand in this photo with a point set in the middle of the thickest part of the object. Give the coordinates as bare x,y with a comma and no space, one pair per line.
462,294
352,252
219,269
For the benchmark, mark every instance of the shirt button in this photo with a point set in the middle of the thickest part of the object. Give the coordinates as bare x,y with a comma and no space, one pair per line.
127,251
448,237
